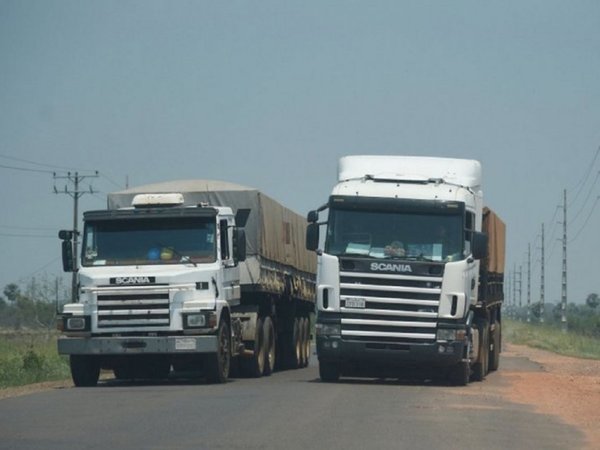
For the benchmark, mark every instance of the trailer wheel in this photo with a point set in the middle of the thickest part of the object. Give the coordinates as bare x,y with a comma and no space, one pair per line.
297,357
255,365
270,346
306,342
459,374
494,361
85,370
328,371
480,368
217,365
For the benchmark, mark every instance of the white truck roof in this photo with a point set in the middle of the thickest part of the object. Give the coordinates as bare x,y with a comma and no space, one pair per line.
462,172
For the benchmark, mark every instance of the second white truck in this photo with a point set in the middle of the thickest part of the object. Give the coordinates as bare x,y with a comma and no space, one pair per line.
411,272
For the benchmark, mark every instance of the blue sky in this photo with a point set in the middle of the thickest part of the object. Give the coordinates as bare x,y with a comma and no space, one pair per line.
270,94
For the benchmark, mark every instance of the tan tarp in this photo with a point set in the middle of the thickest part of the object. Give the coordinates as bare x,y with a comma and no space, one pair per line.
277,257
495,228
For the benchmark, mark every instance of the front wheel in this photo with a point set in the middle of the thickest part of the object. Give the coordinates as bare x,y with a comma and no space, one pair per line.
329,372
459,374
217,365
85,370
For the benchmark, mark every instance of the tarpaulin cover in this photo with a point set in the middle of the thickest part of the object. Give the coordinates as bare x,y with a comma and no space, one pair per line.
276,255
495,228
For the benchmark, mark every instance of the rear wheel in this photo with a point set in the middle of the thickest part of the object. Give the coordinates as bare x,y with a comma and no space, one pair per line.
217,365
494,361
85,370
480,368
270,346
329,372
306,341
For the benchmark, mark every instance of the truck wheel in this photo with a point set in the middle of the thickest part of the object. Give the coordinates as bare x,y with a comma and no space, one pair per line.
480,368
85,370
217,365
306,343
270,346
255,365
329,372
494,361
459,374
297,360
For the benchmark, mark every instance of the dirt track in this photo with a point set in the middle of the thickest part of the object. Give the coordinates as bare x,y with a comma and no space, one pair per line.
566,387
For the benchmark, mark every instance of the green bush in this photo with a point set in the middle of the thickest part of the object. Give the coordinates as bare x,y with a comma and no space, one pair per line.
30,358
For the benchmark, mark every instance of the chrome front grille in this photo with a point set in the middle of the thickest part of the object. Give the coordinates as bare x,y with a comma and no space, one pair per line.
389,308
133,310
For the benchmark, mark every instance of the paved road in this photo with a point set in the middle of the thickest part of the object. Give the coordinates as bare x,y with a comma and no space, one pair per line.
289,410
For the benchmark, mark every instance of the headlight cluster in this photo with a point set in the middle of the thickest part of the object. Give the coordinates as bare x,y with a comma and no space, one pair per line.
200,320
328,329
74,323
450,334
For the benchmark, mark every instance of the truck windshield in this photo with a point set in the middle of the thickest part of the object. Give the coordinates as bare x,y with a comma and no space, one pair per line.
149,241
395,235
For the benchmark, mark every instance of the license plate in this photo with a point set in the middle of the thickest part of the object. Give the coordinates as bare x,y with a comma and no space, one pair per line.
355,303
185,344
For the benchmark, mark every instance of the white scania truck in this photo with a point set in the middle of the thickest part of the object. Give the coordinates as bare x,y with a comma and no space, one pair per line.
411,273
189,275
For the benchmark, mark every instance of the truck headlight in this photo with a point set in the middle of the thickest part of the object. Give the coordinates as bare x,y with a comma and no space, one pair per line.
195,320
75,324
200,320
328,329
450,335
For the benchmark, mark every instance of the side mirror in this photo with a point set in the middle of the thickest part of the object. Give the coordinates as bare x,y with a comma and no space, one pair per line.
65,235
313,217
67,255
312,236
480,245
239,244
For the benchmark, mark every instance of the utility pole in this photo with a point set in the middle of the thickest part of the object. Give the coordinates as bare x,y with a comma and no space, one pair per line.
542,281
75,193
520,289
508,287
514,298
529,283
563,302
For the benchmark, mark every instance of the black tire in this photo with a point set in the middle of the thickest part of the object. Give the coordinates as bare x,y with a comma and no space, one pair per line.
480,368
85,370
303,339
254,366
495,346
270,346
297,358
459,374
217,365
329,372
306,341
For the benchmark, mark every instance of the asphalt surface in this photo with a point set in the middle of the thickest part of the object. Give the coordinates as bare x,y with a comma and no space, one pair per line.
288,410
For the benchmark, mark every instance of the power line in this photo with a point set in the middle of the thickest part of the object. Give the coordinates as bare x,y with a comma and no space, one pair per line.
28,235
12,158
586,220
24,169
586,176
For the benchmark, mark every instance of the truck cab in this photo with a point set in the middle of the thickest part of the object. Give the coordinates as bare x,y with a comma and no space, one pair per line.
398,271
157,280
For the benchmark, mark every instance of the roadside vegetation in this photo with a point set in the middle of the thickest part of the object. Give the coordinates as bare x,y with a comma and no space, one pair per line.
551,337
27,334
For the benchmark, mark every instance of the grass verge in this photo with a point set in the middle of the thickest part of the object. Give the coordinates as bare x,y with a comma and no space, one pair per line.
30,357
551,338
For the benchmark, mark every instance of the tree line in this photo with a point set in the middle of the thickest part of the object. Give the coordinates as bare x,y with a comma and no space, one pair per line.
32,306
581,318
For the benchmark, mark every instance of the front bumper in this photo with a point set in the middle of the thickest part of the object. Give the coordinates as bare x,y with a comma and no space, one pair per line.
136,345
375,355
